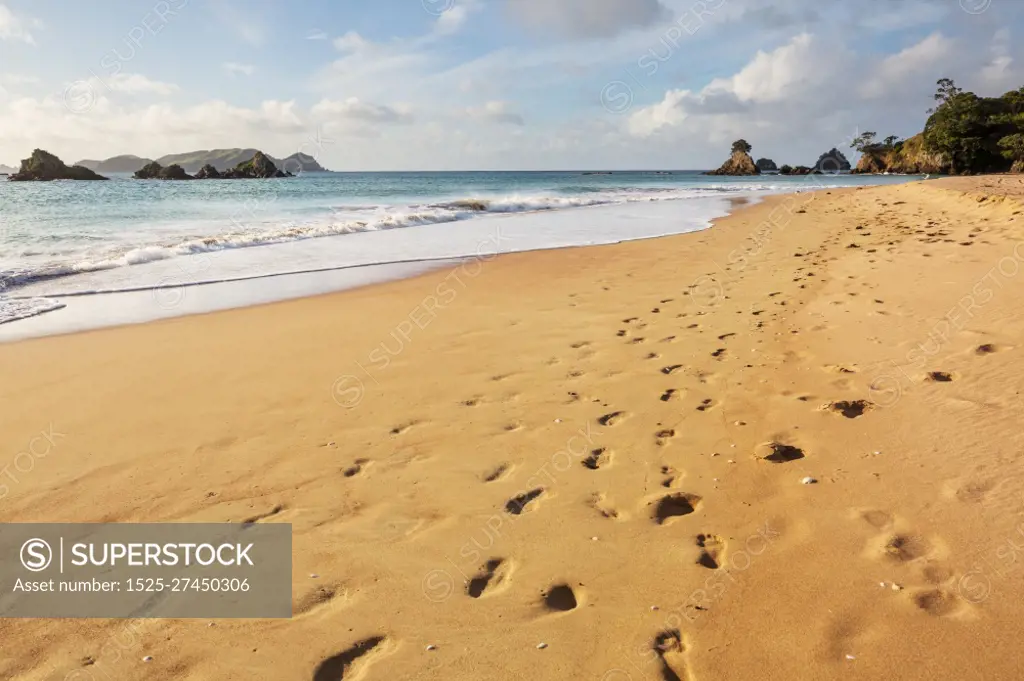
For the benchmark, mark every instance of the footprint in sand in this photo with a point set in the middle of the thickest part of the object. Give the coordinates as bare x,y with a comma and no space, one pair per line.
903,548
262,516
940,377
353,662
669,394
599,502
672,477
987,349
560,598
612,418
778,452
838,369
671,652
356,468
404,427
706,404
492,576
851,409
597,458
673,506
662,437
318,598
517,505
497,473
937,602
712,551
880,520
669,370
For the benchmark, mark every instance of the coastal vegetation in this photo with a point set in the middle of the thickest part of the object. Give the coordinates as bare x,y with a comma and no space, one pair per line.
965,134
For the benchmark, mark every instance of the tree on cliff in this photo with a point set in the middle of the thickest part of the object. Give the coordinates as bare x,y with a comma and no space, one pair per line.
957,127
742,146
865,142
946,91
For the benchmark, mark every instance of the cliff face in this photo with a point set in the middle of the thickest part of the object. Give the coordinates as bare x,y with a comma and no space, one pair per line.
739,163
911,158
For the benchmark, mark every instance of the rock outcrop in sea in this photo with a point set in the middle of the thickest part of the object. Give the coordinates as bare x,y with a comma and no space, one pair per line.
208,172
42,166
766,165
258,167
739,163
832,161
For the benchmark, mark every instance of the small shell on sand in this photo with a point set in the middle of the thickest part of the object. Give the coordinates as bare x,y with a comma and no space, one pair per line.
542,646
809,480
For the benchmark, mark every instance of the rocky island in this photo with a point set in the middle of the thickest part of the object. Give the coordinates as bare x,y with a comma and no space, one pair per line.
766,165
42,166
258,167
739,162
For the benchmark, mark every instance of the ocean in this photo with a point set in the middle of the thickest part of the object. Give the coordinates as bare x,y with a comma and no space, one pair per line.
62,242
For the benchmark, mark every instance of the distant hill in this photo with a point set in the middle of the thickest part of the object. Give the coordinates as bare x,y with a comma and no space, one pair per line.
192,161
116,164
7,170
225,159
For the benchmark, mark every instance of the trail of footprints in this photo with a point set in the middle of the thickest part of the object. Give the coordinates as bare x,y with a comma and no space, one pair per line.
930,586
934,592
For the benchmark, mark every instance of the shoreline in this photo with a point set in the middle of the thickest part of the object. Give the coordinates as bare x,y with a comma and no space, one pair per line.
170,292
665,398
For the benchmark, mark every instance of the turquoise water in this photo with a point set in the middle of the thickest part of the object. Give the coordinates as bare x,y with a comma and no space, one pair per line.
56,230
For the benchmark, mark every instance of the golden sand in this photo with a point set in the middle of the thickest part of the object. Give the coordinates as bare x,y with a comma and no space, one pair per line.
787,447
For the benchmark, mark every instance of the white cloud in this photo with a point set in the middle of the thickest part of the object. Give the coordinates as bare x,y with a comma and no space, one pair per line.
316,34
351,42
785,74
106,128
453,19
130,83
495,111
999,72
354,109
772,76
909,64
235,69
17,79
14,27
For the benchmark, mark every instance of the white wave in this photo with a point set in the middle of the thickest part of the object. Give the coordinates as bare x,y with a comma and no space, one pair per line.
377,218
11,310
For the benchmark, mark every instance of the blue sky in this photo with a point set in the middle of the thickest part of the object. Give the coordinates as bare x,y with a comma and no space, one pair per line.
482,84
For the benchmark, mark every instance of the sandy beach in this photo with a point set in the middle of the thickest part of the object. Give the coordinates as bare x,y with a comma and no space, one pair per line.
786,447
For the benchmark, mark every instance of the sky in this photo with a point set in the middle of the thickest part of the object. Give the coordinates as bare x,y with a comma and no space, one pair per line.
489,84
